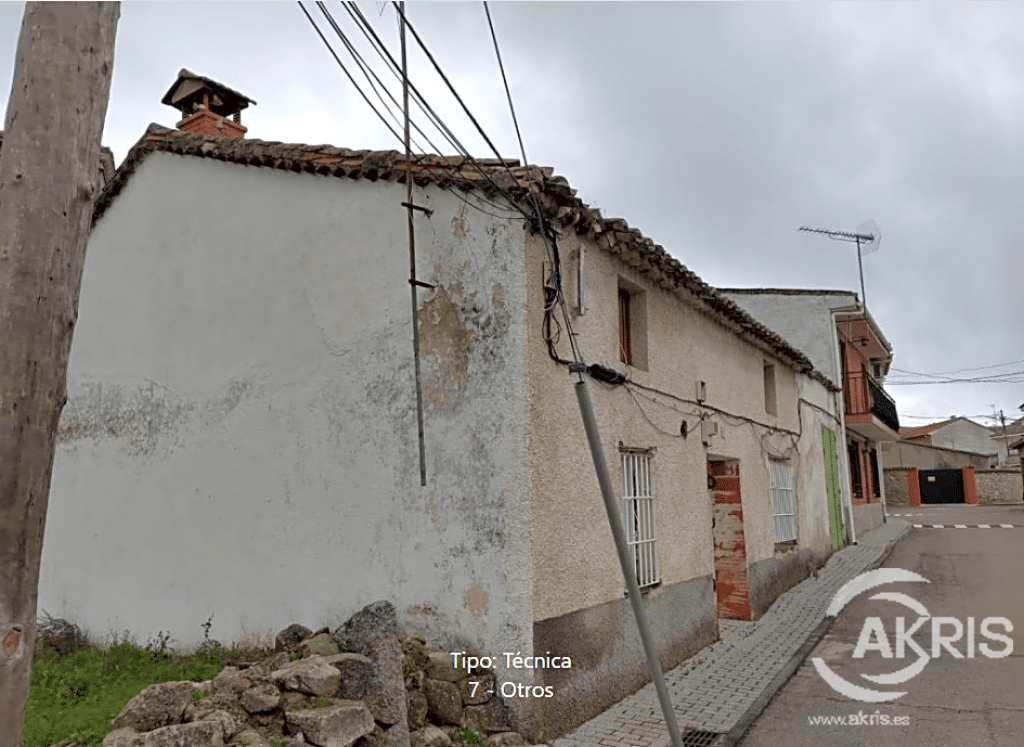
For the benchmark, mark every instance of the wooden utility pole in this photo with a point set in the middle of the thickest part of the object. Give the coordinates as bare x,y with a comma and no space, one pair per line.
49,177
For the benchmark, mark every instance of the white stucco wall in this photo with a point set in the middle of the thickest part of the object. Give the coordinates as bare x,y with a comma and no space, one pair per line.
684,346
966,435
240,437
803,320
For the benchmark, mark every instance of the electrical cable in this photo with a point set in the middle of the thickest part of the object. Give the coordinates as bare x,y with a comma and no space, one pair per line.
374,41
345,69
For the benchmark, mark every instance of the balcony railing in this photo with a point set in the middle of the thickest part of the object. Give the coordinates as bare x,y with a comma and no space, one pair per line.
862,395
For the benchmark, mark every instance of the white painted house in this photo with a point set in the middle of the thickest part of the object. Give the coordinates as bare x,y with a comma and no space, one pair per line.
839,335
241,438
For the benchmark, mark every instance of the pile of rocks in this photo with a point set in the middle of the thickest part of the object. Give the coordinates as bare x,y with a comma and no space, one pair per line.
359,686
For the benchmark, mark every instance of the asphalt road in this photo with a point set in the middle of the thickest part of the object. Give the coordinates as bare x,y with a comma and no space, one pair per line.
967,702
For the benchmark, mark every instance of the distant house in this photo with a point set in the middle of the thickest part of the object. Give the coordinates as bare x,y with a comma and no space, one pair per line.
241,440
844,342
956,433
1003,437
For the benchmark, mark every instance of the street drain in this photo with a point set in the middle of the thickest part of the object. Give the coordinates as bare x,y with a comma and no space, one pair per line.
697,738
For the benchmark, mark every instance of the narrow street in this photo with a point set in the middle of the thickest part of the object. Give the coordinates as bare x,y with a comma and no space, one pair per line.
973,564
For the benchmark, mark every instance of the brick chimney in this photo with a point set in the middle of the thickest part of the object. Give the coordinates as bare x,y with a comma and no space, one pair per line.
206,105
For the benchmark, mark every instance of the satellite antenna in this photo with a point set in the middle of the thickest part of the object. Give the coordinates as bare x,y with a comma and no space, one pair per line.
867,237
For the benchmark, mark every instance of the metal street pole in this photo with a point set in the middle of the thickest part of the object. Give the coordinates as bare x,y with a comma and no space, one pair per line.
628,569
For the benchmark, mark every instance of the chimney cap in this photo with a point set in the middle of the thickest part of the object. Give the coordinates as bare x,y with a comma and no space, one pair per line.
189,89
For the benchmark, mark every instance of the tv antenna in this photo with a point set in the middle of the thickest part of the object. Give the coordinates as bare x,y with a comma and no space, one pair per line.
867,237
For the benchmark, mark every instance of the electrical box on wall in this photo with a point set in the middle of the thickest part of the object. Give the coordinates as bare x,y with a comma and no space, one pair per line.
709,428
702,391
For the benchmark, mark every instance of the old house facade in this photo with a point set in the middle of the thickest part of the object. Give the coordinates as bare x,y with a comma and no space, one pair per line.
241,441
843,340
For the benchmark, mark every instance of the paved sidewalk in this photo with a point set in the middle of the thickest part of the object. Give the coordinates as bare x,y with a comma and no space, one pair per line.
722,686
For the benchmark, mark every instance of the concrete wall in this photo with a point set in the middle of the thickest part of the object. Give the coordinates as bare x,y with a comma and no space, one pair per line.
999,486
578,586
895,486
803,320
906,454
240,437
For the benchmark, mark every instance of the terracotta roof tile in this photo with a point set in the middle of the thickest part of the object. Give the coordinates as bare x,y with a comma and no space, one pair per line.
555,197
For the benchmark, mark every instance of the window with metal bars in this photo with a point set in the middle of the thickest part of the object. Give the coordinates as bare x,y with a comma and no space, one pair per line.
856,481
876,489
638,516
783,500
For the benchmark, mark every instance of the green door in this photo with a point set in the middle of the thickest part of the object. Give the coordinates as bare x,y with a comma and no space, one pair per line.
835,513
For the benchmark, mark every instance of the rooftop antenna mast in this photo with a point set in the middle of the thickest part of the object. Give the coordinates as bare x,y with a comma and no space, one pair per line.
867,237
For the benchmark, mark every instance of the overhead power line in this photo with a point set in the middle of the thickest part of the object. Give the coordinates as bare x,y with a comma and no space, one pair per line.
393,65
1012,377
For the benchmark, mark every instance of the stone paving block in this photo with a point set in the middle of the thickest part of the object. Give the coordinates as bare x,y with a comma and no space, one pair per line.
714,689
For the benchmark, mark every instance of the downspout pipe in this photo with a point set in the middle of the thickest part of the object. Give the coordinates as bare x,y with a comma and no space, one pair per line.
844,459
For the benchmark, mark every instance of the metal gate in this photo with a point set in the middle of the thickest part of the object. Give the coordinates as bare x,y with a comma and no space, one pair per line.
942,486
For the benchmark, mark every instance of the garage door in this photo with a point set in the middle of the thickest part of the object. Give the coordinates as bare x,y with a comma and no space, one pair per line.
942,486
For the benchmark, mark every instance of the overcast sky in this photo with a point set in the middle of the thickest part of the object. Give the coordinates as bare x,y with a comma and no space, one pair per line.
717,129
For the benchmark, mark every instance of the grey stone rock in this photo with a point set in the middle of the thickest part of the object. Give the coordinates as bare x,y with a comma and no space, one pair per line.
415,655
291,637
444,702
414,681
260,698
373,632
250,738
312,676
158,705
440,667
197,734
358,675
416,710
383,709
124,736
227,723
507,739
430,736
335,726
491,717
321,644
231,681
376,738
222,701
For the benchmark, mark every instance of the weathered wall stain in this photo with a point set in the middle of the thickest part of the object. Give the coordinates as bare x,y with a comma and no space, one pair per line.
476,600
142,417
444,337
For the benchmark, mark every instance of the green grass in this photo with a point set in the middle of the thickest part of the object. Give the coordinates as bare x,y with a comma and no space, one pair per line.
75,695
467,737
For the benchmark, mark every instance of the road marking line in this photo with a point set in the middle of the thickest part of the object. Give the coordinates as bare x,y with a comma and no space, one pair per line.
1006,526
960,526
918,526
984,526
938,526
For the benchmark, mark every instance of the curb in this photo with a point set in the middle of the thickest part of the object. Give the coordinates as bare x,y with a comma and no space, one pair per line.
736,734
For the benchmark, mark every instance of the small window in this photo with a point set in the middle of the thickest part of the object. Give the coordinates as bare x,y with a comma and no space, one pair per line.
625,328
638,516
783,501
770,405
632,325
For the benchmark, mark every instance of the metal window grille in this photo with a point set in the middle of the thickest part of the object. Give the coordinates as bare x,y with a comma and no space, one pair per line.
783,501
856,483
638,516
